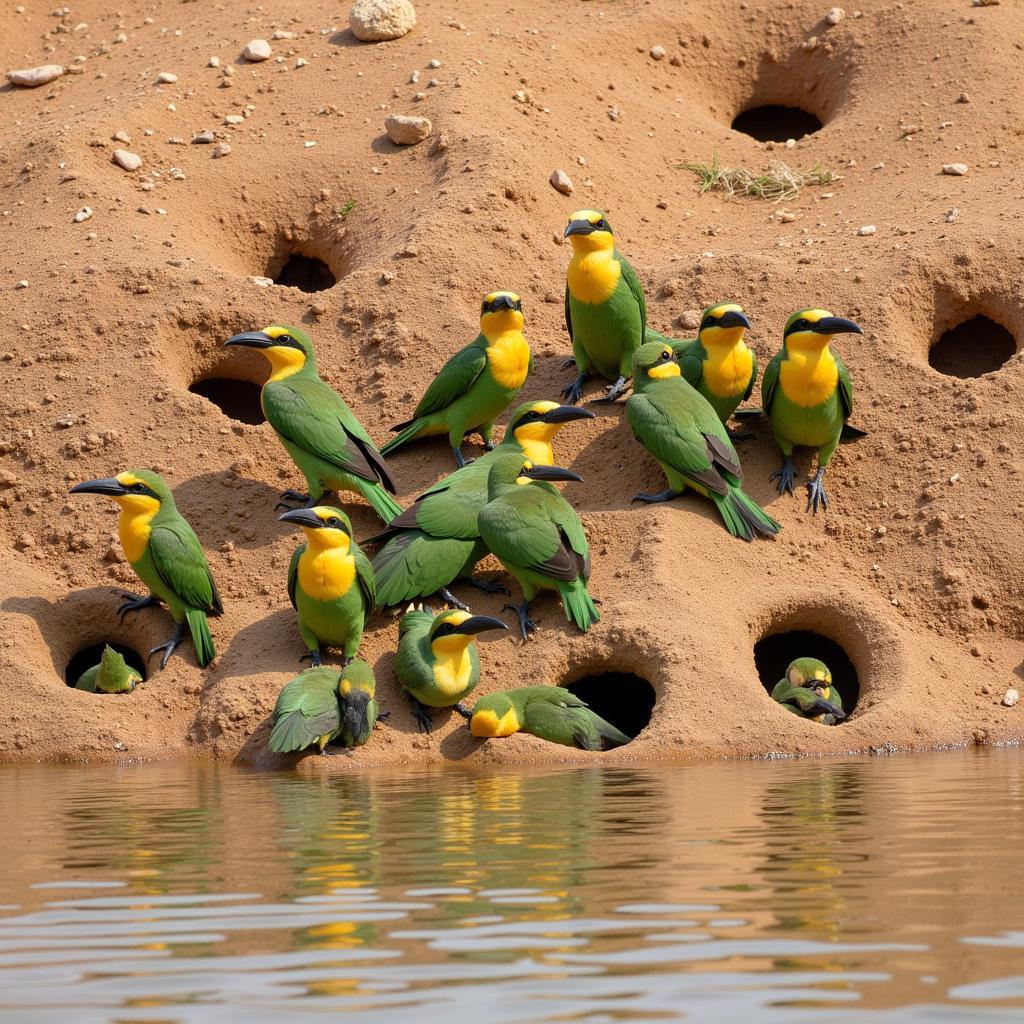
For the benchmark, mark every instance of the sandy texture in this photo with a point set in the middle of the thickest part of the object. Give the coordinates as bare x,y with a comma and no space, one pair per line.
915,569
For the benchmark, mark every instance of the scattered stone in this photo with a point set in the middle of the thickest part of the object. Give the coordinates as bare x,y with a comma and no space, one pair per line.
84,214
204,138
283,34
414,77
21,284
407,131
689,319
952,214
835,15
957,169
64,422
309,144
658,53
25,541
810,44
127,160
867,229
167,78
963,98
433,63
231,119
1010,697
439,145
32,78
262,282
613,113
213,62
121,136
221,149
377,20
257,50
561,182
787,217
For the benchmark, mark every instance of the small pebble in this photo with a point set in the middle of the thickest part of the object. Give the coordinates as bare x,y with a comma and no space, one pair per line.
561,182
213,62
378,20
167,78
835,15
867,229
21,284
221,149
84,214
204,138
233,119
657,53
1010,698
257,50
957,169
32,78
121,136
407,131
127,160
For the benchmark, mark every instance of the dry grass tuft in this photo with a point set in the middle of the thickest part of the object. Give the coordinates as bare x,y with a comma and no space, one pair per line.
777,182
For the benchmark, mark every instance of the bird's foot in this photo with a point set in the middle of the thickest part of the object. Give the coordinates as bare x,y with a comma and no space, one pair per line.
739,435
816,493
487,586
655,499
488,446
447,596
568,364
134,603
574,391
460,459
423,720
314,658
464,711
168,646
301,497
526,624
784,475
615,391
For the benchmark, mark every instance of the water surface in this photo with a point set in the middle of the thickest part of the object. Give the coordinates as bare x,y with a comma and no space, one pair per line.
875,890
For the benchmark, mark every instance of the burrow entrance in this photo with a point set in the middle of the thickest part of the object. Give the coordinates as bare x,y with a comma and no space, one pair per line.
307,273
974,347
772,655
89,656
774,122
236,398
622,698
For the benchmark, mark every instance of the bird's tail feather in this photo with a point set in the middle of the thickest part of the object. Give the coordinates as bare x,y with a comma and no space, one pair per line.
610,736
406,432
201,638
288,734
579,606
383,504
743,517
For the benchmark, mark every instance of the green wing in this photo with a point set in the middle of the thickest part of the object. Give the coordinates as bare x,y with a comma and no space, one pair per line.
771,382
633,282
753,376
307,708
454,379
451,507
845,388
179,560
568,313
367,579
315,418
690,356
293,574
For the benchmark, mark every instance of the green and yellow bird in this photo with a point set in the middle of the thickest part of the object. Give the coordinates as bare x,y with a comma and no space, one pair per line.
807,395
682,431
167,556
477,384
325,704
605,311
437,661
807,691
316,427
330,582
537,536
111,675
548,712
437,539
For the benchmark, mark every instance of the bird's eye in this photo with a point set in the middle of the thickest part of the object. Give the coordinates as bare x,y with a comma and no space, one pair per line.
666,355
601,225
138,488
334,521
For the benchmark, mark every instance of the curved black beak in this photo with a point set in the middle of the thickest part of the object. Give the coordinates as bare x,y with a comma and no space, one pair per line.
732,318
835,325
578,227
103,485
301,517
503,302
552,473
566,413
252,339
479,624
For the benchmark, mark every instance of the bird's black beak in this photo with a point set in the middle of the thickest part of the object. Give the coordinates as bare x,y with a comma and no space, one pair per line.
552,473
733,318
566,413
301,517
835,325
252,339
479,624
104,485
503,302
578,227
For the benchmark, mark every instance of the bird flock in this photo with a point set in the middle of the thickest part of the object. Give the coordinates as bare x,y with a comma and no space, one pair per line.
683,395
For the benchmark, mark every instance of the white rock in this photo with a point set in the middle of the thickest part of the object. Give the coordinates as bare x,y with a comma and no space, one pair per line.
867,229
657,53
21,284
406,131
283,34
376,20
127,160
121,136
213,62
561,182
262,282
221,149
957,169
234,119
85,213
167,78
433,63
257,50
31,78
1010,698
835,16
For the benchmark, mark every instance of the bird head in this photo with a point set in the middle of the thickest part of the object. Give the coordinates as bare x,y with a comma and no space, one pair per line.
808,330
653,361
809,672
541,421
139,491
494,715
287,348
722,325
515,467
324,526
356,675
500,312
115,676
589,231
453,632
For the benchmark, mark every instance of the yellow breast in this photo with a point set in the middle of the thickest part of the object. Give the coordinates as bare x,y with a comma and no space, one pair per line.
808,380
593,276
538,452
326,575
727,372
508,358
487,724
133,527
452,670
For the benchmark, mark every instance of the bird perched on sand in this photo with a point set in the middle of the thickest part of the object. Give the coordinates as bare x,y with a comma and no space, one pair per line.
807,691
330,582
166,554
537,536
683,432
549,712
477,384
437,661
437,539
111,675
325,704
807,395
605,311
316,427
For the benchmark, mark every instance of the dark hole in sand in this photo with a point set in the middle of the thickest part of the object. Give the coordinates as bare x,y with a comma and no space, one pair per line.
624,699
89,656
306,273
772,655
239,399
977,346
776,123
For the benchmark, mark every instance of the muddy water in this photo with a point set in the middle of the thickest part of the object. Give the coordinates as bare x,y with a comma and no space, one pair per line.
883,890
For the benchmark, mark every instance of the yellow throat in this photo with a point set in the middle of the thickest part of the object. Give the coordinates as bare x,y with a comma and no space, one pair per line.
809,374
452,663
133,524
486,723
594,271
508,352
327,568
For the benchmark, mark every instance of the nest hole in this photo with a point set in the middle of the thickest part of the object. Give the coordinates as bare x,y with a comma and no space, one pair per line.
307,273
237,399
772,655
89,656
972,348
622,698
773,122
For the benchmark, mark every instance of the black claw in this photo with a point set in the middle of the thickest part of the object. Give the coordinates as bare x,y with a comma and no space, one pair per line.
460,459
422,716
446,595
465,712
568,364
655,499
169,646
784,475
132,603
314,658
816,493
573,392
526,624
488,446
614,392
